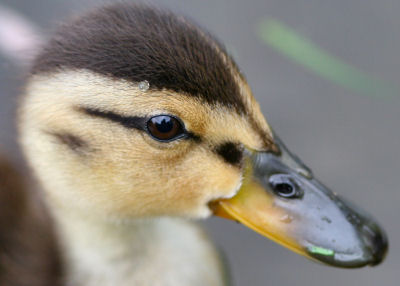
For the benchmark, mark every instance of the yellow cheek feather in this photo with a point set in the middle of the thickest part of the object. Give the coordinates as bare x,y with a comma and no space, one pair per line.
149,182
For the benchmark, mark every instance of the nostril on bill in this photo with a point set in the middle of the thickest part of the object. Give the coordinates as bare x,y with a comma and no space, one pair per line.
284,186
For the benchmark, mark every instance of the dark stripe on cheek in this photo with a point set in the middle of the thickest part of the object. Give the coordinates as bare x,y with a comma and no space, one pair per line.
74,142
231,152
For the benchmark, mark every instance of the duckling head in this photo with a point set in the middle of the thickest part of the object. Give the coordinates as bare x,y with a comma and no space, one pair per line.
132,112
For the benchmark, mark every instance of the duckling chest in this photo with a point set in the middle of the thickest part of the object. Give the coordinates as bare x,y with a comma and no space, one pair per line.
171,254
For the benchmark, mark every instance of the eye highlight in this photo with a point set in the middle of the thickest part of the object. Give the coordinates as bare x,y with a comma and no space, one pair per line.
165,128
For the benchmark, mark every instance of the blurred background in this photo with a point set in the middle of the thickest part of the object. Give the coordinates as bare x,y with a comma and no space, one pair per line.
326,74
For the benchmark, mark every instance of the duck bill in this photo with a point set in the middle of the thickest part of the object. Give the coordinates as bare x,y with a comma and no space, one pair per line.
280,199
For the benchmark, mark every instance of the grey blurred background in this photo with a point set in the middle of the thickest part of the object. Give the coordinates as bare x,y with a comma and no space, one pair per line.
350,139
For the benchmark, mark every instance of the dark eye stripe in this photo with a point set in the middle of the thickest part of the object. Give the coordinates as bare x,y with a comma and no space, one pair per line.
135,122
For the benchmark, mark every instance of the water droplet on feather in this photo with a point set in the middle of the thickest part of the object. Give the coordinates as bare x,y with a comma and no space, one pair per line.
144,85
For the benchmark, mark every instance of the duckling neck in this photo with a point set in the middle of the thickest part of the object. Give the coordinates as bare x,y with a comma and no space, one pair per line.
159,251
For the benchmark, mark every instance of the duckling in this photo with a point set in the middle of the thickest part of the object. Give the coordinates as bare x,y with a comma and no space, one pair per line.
136,122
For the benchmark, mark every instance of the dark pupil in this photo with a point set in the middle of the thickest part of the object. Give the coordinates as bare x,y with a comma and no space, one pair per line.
164,124
164,127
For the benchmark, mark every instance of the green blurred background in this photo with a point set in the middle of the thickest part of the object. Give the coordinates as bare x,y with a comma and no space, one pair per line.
326,74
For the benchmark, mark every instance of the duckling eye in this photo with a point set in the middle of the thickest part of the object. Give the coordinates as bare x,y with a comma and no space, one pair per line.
165,128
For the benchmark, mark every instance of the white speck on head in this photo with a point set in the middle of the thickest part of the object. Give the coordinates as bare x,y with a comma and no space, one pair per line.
144,85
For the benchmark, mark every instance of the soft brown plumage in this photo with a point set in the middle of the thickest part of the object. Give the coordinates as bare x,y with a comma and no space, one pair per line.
28,252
